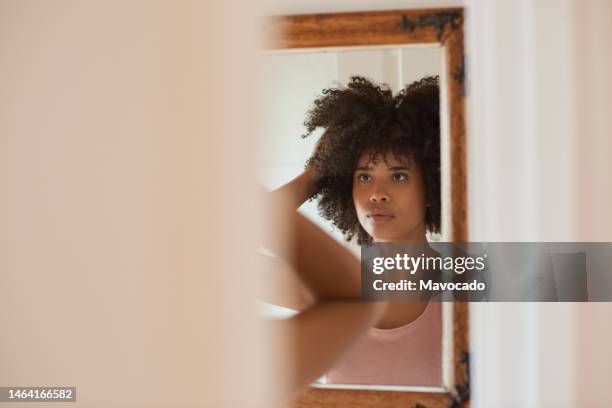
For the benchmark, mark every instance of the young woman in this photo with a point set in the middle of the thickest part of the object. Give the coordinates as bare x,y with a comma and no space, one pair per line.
376,172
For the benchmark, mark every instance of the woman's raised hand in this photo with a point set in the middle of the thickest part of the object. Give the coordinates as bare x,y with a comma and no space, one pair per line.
301,187
311,168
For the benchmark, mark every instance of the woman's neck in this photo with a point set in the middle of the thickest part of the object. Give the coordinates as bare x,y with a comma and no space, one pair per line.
416,236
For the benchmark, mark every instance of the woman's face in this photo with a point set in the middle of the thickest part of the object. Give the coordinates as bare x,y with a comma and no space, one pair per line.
389,197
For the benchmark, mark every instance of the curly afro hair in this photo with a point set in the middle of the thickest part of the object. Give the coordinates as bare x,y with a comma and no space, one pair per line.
367,117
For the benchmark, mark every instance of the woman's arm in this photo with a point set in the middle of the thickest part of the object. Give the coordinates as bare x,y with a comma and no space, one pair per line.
334,316
281,286
297,190
316,339
327,269
321,334
301,187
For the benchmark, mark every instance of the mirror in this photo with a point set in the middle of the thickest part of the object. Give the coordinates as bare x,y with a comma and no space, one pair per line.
423,360
292,81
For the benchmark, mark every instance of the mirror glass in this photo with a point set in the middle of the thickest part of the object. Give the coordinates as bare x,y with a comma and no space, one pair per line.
407,357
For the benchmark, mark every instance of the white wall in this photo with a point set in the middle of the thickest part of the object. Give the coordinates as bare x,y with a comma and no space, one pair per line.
526,133
593,58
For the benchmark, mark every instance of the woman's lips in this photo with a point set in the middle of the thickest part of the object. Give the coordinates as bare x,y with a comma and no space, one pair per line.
380,218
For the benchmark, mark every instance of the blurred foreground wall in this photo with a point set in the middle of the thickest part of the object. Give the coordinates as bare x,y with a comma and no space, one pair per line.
122,261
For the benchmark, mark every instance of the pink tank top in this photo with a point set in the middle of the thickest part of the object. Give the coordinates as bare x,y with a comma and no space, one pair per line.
405,355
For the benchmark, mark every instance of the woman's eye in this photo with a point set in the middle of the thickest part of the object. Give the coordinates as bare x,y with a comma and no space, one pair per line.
399,177
364,178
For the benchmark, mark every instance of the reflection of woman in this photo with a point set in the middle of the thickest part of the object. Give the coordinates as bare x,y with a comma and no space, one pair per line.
376,171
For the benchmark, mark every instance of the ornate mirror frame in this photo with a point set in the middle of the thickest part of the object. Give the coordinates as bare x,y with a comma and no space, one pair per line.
442,27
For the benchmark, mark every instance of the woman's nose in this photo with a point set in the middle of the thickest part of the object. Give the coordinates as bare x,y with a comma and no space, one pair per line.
379,197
